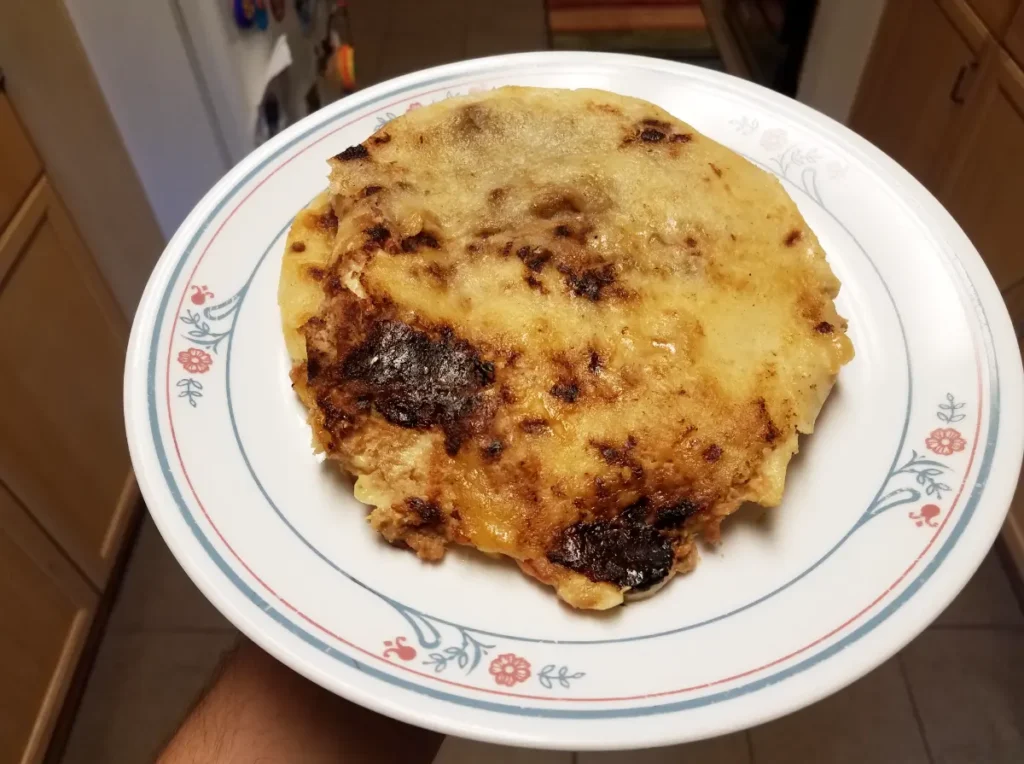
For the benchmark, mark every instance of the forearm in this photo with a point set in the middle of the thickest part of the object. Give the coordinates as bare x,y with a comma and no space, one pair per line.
259,710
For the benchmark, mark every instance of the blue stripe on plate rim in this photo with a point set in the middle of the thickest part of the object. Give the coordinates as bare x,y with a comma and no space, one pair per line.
519,710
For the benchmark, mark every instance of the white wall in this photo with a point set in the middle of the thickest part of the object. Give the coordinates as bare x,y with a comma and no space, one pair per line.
143,68
837,53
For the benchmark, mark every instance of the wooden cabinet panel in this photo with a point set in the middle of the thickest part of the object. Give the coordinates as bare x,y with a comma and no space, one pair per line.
1014,39
62,444
984,185
19,165
47,609
920,69
995,13
1013,531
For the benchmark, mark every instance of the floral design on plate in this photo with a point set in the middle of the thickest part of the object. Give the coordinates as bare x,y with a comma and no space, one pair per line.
945,440
509,669
195,361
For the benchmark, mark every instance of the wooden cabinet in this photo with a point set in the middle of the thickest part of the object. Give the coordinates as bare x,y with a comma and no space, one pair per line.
943,95
995,13
1014,39
19,165
983,181
66,487
47,607
912,92
62,443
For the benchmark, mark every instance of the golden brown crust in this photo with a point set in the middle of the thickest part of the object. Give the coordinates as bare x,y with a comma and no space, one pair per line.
575,328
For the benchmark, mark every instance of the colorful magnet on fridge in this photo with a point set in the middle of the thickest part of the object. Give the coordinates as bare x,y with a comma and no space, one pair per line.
262,18
345,61
245,13
278,8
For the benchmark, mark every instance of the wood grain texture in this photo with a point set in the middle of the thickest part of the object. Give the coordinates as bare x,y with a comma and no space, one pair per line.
52,88
1014,39
62,444
47,608
995,13
904,102
1013,530
983,187
19,164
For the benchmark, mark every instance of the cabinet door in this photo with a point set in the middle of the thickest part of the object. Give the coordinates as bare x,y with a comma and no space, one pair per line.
19,165
1014,40
62,444
984,185
995,13
47,609
1013,531
921,65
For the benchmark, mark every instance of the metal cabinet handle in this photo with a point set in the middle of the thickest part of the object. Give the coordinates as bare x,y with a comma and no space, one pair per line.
956,94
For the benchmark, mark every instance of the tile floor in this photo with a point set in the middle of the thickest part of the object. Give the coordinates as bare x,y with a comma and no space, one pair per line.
955,694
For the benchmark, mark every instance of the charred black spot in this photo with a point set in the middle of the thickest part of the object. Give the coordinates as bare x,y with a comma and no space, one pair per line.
371,190
590,282
380,140
715,169
626,552
316,273
327,221
675,515
551,206
793,237
566,390
298,246
770,432
656,123
485,233
650,135
712,453
506,248
353,152
596,364
418,382
691,242
497,195
377,233
534,258
427,511
824,328
492,451
617,456
534,426
535,283
562,231
421,239
333,285
681,138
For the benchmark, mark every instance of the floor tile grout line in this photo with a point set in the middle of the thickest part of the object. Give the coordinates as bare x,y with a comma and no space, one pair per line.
917,712
750,746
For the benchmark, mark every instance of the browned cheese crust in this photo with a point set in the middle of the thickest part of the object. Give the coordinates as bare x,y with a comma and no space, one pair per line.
560,326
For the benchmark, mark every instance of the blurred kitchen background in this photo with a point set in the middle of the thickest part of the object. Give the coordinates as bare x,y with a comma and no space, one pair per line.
116,116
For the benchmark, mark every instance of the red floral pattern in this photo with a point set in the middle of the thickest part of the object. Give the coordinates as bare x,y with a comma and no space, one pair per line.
195,361
509,669
945,440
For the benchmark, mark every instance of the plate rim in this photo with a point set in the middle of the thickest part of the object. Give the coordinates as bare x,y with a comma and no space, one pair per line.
205,210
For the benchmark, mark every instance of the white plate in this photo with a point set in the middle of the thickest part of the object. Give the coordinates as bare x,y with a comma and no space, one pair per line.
889,508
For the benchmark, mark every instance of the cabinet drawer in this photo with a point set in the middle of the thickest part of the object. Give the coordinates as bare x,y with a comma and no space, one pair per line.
47,610
19,164
62,446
